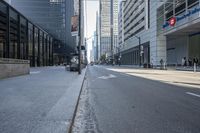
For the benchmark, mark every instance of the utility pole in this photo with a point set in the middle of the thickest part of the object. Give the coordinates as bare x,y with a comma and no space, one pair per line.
79,46
111,30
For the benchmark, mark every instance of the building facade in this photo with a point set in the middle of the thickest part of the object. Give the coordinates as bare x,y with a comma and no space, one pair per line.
178,25
22,39
135,25
105,26
55,17
121,23
97,36
161,31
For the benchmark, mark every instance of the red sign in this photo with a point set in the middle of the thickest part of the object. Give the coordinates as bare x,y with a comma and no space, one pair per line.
172,21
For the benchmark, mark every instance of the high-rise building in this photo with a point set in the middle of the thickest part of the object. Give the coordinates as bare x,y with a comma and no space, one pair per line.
22,39
165,31
121,23
53,15
134,23
97,37
105,26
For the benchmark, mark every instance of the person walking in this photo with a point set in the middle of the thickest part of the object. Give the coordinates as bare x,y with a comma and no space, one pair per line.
182,61
190,62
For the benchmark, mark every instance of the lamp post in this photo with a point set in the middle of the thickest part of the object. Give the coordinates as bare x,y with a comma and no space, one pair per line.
111,30
79,45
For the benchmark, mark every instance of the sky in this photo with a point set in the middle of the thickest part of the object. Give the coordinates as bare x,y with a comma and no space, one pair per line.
91,7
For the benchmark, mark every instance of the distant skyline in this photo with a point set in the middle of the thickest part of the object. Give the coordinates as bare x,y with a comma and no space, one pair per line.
90,22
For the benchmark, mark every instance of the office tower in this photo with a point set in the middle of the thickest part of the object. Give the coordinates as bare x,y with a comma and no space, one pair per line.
53,15
105,26
121,24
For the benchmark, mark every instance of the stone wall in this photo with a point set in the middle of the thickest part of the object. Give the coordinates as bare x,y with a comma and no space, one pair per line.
13,67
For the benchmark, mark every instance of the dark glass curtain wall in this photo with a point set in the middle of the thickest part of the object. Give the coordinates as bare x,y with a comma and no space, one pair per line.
21,39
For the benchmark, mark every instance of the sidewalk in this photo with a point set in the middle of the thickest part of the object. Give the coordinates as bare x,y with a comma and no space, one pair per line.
179,68
42,102
181,78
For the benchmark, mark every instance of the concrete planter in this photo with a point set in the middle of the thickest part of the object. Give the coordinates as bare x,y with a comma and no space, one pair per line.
13,67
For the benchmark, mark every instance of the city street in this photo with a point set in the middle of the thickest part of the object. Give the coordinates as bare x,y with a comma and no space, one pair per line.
42,102
127,100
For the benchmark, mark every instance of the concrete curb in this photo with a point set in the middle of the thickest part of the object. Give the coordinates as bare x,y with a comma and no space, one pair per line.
76,107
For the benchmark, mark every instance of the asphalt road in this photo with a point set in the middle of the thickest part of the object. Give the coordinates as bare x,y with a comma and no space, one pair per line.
42,102
114,102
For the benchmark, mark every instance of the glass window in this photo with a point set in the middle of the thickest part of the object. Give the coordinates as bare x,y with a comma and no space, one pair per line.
192,3
41,48
36,46
44,49
13,47
23,37
30,43
47,50
3,7
3,21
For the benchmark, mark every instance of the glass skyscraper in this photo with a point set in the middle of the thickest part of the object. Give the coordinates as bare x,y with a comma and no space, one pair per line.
52,15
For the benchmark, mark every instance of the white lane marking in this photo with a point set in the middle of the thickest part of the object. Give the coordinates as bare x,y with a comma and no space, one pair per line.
35,72
108,77
193,94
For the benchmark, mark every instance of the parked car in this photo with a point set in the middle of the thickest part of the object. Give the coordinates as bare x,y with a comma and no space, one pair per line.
92,63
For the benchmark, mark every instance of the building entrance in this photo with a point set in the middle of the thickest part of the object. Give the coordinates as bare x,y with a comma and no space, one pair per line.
183,47
194,47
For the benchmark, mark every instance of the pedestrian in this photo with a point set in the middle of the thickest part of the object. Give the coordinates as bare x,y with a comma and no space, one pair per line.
161,64
119,62
196,61
182,61
190,62
185,62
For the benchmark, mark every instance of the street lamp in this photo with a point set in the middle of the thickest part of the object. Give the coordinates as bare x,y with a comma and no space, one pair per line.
79,45
111,30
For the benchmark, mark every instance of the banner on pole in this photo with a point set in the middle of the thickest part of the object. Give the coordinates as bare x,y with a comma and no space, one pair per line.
74,25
